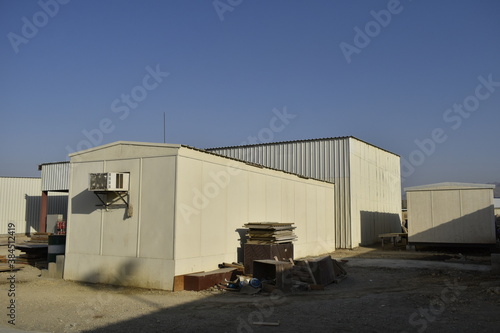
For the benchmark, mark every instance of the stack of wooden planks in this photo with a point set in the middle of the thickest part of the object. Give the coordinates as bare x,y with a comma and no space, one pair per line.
270,233
5,267
37,258
32,259
39,238
34,254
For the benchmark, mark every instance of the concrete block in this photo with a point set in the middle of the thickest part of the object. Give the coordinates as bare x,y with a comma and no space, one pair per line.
495,263
52,270
60,266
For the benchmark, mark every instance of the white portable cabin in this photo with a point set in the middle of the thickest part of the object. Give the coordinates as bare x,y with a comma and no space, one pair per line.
451,213
180,212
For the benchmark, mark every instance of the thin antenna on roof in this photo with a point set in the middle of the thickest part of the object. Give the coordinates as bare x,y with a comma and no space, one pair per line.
164,128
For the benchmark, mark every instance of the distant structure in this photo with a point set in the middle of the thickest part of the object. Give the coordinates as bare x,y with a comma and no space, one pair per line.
451,213
497,206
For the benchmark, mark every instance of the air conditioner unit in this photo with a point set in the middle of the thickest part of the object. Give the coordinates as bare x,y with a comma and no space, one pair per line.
109,181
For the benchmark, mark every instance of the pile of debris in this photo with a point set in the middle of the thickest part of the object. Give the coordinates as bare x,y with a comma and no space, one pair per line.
317,273
270,233
268,275
292,275
268,264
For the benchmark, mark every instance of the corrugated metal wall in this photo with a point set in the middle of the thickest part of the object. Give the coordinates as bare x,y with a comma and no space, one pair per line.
322,159
58,204
20,203
55,176
330,160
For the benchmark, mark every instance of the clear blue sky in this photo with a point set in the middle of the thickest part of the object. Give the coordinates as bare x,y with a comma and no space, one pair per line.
69,68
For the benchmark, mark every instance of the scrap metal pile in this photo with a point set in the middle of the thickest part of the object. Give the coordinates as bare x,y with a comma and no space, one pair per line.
305,274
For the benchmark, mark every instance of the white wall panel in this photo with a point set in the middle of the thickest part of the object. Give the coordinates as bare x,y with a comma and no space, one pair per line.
157,200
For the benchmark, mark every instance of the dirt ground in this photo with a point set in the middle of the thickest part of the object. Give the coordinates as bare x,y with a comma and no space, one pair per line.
370,299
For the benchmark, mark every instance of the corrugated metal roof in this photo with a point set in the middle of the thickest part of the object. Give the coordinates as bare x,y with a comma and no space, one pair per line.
449,186
304,140
55,176
168,145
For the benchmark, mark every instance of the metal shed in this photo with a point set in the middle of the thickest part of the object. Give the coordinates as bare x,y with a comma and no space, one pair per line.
55,183
451,213
367,180
181,212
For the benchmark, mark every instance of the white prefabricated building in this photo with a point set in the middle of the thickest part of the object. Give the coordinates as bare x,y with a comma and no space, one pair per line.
186,208
451,213
367,180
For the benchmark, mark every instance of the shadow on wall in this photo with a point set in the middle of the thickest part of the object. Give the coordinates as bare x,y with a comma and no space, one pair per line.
87,202
32,213
124,276
474,228
84,203
242,232
374,223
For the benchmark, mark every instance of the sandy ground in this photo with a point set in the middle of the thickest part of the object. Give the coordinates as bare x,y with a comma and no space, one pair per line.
398,293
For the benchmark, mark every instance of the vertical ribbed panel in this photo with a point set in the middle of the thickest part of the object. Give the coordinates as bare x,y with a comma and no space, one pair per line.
20,203
321,159
55,176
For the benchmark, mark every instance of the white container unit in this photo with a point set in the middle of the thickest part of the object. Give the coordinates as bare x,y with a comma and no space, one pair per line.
185,208
451,213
